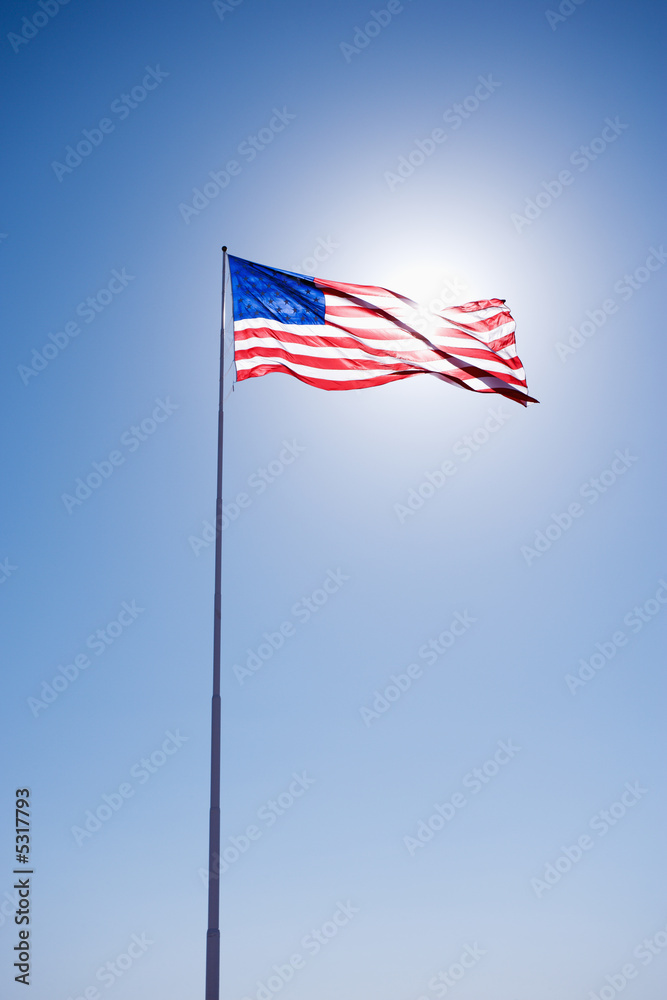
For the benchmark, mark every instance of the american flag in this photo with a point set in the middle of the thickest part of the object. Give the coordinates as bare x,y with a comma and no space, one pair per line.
340,336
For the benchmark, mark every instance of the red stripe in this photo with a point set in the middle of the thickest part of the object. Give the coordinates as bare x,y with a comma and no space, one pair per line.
501,390
322,383
340,289
327,364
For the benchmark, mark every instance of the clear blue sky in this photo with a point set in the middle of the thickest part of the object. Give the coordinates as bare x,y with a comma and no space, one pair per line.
547,541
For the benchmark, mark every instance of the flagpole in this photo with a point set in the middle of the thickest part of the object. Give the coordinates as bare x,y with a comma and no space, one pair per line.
213,933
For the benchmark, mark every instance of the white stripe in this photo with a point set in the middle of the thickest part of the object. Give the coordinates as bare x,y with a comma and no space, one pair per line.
314,329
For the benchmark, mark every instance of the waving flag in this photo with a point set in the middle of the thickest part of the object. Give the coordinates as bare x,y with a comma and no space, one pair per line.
341,336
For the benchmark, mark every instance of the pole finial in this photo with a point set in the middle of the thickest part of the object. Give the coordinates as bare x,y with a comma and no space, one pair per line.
224,249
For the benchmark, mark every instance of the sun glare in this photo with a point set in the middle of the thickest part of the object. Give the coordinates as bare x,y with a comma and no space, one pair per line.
433,286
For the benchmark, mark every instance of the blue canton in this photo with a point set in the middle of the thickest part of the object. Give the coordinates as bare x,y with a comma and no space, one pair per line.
267,293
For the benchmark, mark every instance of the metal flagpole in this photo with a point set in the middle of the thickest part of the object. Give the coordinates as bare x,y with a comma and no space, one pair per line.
213,933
